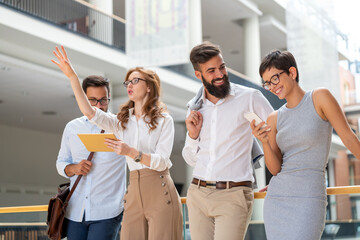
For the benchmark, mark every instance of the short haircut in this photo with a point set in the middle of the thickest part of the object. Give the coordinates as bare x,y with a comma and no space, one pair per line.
95,81
282,60
202,53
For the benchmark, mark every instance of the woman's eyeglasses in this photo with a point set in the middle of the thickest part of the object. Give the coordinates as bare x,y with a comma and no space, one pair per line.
134,81
275,79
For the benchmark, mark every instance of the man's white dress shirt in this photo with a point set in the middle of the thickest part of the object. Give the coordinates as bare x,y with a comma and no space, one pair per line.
222,152
100,193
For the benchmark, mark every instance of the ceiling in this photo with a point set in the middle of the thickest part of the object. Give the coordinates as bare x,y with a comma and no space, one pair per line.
34,100
222,24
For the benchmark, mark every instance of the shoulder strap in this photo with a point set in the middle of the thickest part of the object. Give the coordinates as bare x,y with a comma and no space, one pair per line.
91,155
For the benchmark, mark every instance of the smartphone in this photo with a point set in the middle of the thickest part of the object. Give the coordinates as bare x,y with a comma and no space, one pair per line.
250,116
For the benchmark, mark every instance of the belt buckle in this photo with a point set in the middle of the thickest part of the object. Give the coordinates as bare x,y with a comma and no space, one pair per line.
211,184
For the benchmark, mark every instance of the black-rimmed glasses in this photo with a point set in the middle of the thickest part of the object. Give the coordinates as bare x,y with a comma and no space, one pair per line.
134,81
274,80
103,101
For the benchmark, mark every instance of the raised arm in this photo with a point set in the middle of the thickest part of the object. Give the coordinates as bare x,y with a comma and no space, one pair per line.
329,109
65,66
272,154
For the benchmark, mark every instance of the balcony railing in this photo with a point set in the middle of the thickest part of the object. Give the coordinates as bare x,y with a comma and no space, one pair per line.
76,16
334,229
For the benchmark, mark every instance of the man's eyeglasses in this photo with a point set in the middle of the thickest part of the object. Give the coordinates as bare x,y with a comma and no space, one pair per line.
275,79
103,101
134,81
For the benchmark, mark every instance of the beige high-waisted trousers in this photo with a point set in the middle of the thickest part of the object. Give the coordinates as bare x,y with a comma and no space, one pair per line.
152,207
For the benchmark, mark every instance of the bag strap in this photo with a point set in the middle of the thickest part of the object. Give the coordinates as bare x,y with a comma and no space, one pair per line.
91,155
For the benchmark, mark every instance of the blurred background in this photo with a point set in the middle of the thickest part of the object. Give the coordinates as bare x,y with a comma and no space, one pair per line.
106,37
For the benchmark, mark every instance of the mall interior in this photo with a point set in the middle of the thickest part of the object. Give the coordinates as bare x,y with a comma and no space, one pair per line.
108,37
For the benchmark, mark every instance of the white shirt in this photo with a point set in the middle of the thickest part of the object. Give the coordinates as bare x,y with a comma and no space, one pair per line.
158,142
222,152
100,193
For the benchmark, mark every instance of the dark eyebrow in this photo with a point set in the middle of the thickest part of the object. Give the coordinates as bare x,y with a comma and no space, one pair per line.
270,78
209,69
213,68
274,75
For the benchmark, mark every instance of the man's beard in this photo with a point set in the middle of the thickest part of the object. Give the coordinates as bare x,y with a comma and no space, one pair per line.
218,91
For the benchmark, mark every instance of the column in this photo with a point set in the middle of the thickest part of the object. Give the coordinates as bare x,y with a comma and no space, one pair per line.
261,182
195,23
252,50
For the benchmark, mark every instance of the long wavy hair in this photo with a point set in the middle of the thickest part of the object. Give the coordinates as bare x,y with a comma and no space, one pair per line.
153,108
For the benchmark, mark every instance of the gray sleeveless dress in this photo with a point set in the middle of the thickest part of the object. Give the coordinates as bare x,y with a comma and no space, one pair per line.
295,204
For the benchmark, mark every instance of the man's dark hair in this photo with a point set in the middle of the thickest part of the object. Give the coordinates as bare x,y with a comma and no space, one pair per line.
95,81
282,60
203,53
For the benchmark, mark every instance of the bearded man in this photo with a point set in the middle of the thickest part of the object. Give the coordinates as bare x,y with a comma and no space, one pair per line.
218,145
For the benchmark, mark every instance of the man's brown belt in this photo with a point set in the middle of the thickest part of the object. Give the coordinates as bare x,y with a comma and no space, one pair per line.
221,185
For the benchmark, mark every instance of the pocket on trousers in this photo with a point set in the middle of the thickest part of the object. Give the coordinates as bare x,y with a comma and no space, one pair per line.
246,198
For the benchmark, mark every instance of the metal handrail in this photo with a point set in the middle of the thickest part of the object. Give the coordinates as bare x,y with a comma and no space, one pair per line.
257,195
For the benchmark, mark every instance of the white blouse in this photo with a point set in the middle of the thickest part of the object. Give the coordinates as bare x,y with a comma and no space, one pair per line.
158,142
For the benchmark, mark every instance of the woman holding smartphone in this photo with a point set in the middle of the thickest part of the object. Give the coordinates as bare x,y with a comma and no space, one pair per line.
152,208
296,150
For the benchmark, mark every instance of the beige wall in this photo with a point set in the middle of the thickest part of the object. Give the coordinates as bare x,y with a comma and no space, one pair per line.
347,87
27,167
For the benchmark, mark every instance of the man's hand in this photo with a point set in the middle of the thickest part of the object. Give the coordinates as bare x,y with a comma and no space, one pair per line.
81,168
194,123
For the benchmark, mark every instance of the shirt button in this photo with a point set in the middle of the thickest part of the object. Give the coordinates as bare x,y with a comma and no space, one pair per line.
168,202
165,193
161,176
163,184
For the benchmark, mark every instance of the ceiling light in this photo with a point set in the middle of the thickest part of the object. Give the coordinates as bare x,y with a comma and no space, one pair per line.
4,68
49,113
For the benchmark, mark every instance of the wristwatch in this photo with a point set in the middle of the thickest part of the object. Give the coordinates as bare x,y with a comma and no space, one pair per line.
138,157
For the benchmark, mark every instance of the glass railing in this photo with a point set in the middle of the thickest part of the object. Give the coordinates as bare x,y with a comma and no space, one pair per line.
28,222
